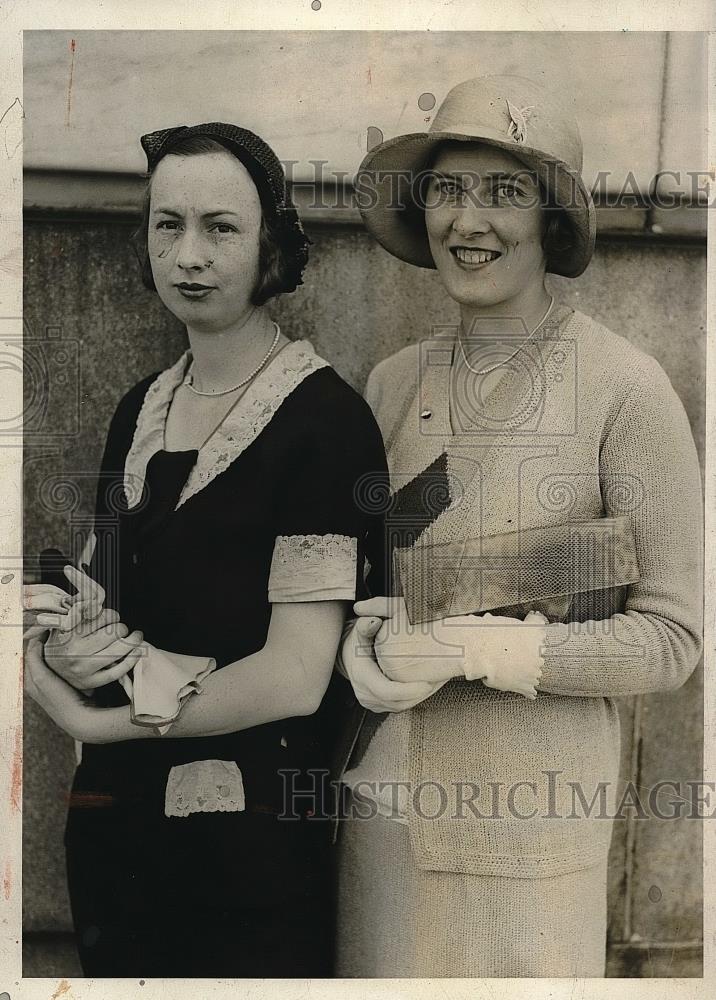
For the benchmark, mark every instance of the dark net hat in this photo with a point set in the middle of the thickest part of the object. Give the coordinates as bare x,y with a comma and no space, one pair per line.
266,172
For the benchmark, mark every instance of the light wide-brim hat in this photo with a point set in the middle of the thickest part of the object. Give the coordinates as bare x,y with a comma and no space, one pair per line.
506,112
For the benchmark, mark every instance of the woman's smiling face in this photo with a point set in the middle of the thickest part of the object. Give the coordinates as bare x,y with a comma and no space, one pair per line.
203,239
485,224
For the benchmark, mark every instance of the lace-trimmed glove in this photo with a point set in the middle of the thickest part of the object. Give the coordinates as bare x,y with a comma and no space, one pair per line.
505,653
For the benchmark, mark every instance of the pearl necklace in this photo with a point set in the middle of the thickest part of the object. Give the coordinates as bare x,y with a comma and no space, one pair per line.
486,371
189,380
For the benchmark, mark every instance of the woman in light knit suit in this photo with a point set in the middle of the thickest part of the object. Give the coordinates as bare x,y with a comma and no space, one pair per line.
545,516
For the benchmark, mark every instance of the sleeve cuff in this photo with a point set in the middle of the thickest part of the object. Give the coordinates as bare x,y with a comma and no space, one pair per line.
313,568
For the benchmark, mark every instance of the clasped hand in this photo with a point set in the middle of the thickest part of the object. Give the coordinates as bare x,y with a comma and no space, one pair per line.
87,645
394,665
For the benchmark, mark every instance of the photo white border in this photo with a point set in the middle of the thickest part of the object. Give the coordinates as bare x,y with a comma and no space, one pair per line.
373,15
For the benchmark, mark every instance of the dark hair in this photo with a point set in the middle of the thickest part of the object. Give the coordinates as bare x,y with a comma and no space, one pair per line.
558,236
282,249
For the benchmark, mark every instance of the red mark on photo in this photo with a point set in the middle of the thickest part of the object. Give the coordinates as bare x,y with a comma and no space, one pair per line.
89,800
63,988
16,773
69,86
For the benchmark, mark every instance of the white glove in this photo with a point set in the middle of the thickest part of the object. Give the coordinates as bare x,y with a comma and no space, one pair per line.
505,653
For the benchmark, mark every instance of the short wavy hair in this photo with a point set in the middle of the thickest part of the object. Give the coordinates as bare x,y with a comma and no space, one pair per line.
283,246
558,235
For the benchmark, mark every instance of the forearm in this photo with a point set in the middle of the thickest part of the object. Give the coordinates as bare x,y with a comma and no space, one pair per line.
625,655
339,665
655,644
264,687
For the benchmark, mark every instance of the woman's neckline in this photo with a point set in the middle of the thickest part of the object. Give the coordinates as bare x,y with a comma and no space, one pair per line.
187,363
561,316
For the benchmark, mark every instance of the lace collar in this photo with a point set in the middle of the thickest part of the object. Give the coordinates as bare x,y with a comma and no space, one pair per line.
242,425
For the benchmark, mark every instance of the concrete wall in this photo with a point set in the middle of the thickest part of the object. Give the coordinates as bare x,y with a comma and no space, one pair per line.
83,300
640,97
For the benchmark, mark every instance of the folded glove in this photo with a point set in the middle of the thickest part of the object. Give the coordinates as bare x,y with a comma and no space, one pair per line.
160,684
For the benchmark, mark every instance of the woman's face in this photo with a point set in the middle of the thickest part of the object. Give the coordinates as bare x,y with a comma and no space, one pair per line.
203,239
485,224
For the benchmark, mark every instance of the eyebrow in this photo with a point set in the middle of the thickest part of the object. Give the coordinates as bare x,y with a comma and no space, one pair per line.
494,175
205,215
516,175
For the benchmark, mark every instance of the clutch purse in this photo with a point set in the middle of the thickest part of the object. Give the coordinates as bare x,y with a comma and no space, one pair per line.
577,571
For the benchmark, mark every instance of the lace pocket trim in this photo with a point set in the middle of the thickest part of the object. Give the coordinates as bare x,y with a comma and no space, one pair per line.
204,786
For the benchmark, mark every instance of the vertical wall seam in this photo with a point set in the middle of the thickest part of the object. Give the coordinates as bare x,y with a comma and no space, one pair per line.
665,65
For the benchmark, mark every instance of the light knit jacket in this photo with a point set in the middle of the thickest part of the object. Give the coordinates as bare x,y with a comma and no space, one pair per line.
591,427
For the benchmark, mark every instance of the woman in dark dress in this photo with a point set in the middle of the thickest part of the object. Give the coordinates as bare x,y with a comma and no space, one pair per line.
229,533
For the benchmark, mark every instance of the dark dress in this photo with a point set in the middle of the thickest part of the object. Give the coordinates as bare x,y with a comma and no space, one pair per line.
220,894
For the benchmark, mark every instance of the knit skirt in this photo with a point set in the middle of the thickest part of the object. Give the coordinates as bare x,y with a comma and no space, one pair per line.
395,920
